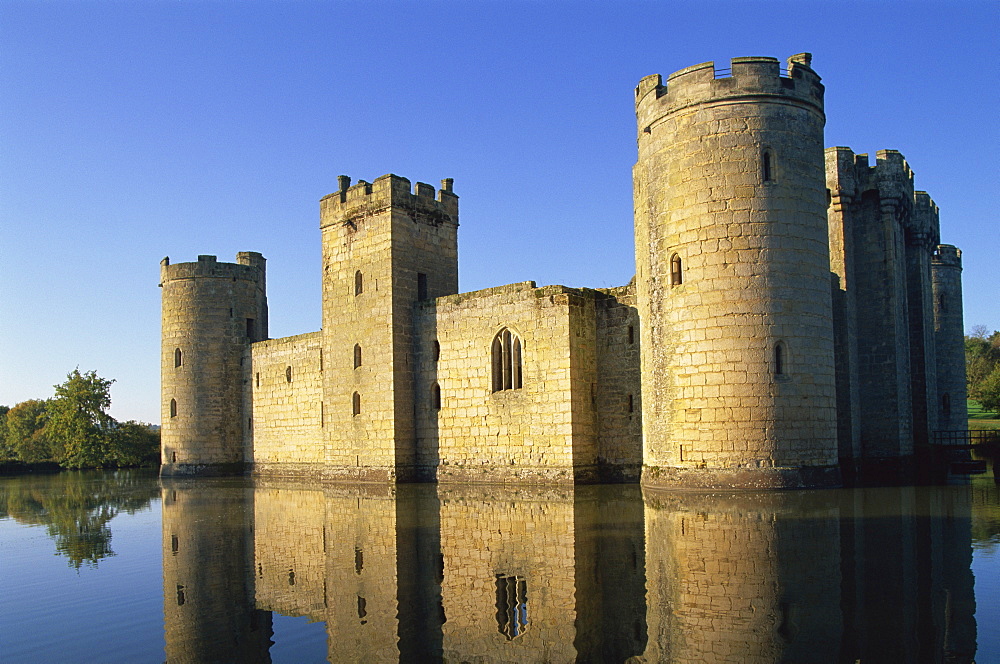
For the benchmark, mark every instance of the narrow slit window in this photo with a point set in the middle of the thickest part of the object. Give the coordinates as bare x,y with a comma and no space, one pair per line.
173,408
359,283
356,404
437,350
506,355
676,271
257,379
631,335
250,329
436,396
631,404
780,361
288,374
178,357
767,166
357,355
421,286
946,404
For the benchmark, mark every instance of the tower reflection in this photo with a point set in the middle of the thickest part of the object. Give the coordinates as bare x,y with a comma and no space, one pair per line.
589,574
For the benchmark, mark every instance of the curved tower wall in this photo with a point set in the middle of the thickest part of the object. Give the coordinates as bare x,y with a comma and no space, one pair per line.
949,339
211,313
730,179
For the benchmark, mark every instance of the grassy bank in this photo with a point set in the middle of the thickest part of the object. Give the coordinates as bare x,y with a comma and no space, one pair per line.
982,419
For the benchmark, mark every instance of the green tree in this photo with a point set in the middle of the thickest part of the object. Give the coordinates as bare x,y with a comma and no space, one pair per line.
27,431
78,420
134,443
982,366
6,451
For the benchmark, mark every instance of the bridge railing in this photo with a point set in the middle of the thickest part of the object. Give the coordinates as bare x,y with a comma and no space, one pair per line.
965,438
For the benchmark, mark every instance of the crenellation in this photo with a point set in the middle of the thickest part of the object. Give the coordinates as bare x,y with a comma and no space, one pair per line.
793,321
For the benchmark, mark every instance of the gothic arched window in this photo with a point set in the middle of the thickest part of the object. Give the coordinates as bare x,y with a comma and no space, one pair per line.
506,352
359,283
178,357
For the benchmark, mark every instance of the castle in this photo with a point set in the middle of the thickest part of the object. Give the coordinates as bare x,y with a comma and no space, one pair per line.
793,322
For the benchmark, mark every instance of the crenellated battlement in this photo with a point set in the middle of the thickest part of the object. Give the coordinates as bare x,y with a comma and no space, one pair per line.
746,79
389,191
947,255
893,176
925,220
249,266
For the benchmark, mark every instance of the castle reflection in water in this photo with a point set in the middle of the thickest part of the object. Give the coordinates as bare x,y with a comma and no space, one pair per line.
417,573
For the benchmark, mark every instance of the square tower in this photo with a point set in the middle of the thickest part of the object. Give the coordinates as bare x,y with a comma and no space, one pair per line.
385,248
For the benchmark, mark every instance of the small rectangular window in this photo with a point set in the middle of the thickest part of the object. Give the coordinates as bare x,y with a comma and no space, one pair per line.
250,329
421,286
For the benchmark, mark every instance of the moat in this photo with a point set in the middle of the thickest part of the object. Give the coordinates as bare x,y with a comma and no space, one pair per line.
124,567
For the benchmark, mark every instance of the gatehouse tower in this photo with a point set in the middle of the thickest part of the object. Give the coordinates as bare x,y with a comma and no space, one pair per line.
733,277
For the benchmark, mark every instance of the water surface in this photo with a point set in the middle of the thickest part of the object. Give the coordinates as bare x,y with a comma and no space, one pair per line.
121,567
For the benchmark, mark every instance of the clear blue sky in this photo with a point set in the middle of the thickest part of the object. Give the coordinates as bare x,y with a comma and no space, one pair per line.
130,131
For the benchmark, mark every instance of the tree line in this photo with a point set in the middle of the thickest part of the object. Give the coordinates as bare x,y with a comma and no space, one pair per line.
74,429
982,367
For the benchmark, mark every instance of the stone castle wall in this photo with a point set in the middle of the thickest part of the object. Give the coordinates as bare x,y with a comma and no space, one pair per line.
778,333
619,389
284,402
542,431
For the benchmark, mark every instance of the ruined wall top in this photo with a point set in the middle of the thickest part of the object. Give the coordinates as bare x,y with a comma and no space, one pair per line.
249,266
389,191
745,79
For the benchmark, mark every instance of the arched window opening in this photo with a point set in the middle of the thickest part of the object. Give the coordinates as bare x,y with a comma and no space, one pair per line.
178,357
676,273
631,335
436,396
506,352
357,355
767,166
946,404
512,605
780,359
288,374
356,404
173,408
359,283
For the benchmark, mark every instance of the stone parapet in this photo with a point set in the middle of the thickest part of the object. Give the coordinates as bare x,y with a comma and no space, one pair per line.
389,191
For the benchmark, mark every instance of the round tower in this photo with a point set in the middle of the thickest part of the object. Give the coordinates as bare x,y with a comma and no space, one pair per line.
211,313
949,339
733,276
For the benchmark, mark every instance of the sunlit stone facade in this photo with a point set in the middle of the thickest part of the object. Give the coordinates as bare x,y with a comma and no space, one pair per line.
793,322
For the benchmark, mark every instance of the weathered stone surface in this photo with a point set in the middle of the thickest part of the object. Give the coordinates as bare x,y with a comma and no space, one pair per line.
793,317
